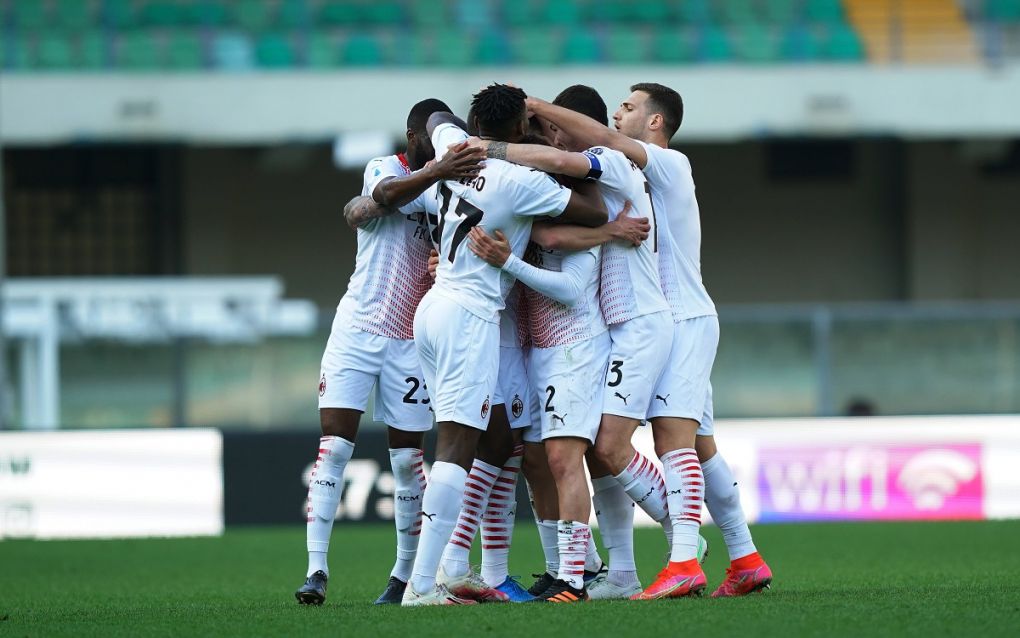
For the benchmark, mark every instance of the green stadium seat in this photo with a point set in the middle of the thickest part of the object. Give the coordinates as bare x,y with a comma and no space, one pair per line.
561,12
696,12
536,46
473,14
54,51
428,15
413,49
519,13
92,47
1003,10
781,12
252,15
492,48
671,46
293,14
322,51
715,45
824,11
74,15
655,12
383,13
755,43
139,51
206,13
339,14
844,45
162,14
612,11
184,51
274,51
363,49
625,45
120,14
30,15
581,47
454,48
800,44
738,12
15,53
232,52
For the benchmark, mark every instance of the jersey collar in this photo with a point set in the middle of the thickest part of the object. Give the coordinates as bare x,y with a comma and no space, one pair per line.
403,162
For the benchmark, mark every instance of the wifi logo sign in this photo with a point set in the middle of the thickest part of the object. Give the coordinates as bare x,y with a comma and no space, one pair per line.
945,481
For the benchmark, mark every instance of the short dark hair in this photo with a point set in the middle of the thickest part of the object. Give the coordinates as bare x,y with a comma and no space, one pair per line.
497,108
421,111
584,100
664,101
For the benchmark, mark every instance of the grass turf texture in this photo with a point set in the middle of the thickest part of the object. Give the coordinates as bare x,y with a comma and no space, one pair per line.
831,579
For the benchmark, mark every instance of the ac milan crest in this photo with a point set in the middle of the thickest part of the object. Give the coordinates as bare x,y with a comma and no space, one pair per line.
322,386
517,406
485,407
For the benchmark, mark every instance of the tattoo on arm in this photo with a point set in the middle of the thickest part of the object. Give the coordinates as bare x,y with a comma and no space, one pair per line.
497,150
362,209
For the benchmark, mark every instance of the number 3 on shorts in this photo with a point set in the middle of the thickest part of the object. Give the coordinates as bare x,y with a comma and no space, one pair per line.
615,369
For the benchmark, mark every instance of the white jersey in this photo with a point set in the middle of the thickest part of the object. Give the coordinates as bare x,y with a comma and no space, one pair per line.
630,275
513,319
504,197
553,323
391,268
669,173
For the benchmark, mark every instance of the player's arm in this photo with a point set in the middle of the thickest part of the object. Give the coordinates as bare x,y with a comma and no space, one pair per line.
363,209
564,286
461,162
583,127
569,238
586,207
545,158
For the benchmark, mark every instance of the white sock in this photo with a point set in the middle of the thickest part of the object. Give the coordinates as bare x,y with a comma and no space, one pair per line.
572,541
498,521
643,483
409,484
477,488
614,511
685,487
592,560
723,501
550,544
324,490
440,506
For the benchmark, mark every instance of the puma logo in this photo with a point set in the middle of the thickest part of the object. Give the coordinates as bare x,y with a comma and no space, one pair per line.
663,399
428,516
559,418
624,398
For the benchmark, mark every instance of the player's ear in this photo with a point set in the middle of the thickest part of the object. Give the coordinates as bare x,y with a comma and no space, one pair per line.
410,136
655,121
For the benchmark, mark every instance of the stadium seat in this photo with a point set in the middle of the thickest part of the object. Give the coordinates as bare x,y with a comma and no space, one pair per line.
93,47
738,12
625,45
54,52
454,48
655,12
781,12
363,49
671,45
696,12
322,51
274,51
206,13
339,14
15,53
120,14
800,44
29,15
232,52
581,47
138,51
561,12
612,12
74,15
519,13
413,49
383,13
428,15
755,43
162,14
715,45
252,15
471,13
293,14
493,48
1003,10
824,11
184,51
844,45
536,46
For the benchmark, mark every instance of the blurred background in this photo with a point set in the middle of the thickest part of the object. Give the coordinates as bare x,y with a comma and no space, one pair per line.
173,174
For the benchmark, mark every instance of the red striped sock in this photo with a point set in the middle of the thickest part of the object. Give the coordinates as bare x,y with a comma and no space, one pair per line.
476,497
686,495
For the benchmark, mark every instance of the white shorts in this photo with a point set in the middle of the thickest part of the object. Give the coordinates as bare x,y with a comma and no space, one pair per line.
568,381
685,390
639,353
533,433
512,387
354,361
459,354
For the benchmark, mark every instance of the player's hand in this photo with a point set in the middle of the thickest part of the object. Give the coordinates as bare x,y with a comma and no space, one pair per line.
493,250
433,264
461,161
478,143
631,230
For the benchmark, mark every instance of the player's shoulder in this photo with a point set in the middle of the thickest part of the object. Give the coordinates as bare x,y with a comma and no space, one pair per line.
667,155
393,164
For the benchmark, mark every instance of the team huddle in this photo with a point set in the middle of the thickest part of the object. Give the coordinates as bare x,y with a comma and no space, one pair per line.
530,279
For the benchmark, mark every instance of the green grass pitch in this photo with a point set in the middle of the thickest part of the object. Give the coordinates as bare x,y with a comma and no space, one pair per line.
862,580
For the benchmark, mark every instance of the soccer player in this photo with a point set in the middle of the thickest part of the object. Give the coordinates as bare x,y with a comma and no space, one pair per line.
456,327
637,313
371,344
681,409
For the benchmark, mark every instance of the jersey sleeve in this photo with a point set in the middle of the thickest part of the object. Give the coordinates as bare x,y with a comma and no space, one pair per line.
608,167
537,194
446,134
664,166
379,169
564,286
